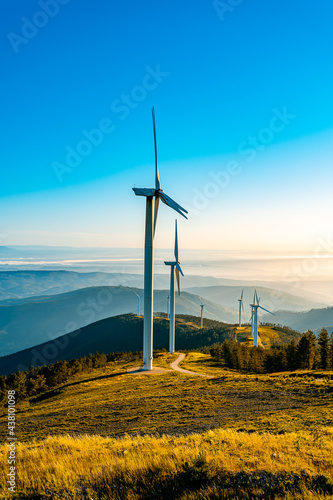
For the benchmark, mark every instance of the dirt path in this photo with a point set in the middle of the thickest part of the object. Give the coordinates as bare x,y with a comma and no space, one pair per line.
175,366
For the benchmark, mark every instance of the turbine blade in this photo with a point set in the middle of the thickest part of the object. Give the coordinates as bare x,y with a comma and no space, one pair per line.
266,310
179,268
172,204
157,202
242,306
256,295
242,294
157,175
176,242
177,277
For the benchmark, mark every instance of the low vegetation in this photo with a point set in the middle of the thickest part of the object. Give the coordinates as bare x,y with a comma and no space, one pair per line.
216,464
96,432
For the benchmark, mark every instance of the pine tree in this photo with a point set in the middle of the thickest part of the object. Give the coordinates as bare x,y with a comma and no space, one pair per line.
306,351
324,348
331,351
292,359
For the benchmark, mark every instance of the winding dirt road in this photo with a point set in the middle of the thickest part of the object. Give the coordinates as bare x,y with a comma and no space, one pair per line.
175,366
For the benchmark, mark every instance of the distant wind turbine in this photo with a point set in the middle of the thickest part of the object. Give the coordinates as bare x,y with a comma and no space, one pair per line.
175,270
241,308
255,317
202,306
138,296
158,194
252,315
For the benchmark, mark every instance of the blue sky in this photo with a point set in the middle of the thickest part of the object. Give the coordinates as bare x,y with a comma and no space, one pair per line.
262,75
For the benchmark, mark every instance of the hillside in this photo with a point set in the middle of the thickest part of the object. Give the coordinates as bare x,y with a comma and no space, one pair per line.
33,283
303,321
176,436
24,284
269,335
269,298
28,322
117,334
30,283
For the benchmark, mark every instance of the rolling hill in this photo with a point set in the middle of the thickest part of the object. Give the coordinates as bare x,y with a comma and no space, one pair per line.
33,283
315,319
24,284
28,322
117,334
269,298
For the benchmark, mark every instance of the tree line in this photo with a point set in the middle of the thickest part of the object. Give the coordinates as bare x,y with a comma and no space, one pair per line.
308,353
38,380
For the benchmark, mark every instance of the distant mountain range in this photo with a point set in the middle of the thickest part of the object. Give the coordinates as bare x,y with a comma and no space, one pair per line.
117,334
23,284
270,299
7,251
315,319
28,322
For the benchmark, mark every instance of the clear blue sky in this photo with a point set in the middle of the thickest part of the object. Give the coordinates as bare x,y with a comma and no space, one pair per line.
219,82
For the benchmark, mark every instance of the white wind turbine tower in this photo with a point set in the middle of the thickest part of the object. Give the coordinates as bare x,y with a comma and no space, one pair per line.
241,308
255,317
138,296
168,306
201,306
252,315
158,194
175,270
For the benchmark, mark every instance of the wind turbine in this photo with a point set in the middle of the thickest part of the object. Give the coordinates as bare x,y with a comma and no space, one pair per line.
168,306
202,306
255,317
175,270
252,314
138,296
158,194
241,308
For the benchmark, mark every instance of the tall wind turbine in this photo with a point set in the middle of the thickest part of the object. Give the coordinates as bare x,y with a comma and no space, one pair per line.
168,306
138,296
158,194
202,306
255,317
175,270
241,308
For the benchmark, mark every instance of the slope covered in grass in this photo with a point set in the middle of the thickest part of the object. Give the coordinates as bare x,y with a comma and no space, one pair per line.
217,464
110,402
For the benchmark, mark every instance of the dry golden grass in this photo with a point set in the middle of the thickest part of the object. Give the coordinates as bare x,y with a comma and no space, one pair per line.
92,466
271,436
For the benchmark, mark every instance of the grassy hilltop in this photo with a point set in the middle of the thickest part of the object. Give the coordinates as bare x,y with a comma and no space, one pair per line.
112,435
